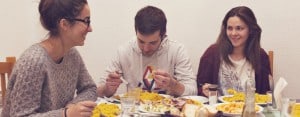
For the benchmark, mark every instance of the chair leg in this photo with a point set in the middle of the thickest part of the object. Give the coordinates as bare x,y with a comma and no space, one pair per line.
3,88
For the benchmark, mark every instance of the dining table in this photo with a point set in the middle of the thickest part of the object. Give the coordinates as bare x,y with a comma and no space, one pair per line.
265,113
270,113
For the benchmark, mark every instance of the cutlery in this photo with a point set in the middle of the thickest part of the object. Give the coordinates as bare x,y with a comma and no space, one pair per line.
121,74
108,99
111,100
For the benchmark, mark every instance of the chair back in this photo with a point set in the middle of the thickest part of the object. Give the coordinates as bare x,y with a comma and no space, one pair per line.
271,55
5,71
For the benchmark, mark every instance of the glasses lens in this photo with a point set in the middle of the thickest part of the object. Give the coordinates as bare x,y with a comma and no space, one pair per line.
88,21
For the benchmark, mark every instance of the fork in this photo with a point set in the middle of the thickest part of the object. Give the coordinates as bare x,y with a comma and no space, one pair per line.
108,99
121,74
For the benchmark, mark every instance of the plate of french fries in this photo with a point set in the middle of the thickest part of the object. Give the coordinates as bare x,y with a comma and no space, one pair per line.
235,96
235,108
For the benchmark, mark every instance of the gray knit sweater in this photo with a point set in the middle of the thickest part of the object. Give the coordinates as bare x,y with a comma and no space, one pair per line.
39,87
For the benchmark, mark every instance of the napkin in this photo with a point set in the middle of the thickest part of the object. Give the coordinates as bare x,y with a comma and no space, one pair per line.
280,85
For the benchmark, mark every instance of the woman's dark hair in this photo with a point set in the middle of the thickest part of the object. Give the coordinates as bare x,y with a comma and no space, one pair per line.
252,48
52,11
149,20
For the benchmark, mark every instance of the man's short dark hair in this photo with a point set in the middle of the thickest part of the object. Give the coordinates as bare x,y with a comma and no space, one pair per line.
149,20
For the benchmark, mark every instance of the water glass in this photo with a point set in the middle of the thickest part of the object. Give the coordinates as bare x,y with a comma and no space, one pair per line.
135,93
292,102
270,105
212,94
127,105
286,108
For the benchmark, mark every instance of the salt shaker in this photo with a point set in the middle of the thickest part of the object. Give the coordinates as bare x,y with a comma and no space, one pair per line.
212,94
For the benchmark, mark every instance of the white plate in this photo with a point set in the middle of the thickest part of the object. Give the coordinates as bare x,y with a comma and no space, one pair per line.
221,98
197,98
237,114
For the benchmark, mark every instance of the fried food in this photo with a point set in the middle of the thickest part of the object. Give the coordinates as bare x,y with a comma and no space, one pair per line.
194,102
240,97
233,107
150,96
106,110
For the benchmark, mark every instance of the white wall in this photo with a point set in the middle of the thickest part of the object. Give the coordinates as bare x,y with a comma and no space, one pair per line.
195,23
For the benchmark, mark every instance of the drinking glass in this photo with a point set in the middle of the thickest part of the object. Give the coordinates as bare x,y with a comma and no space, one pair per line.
135,93
292,102
270,105
286,103
212,94
127,105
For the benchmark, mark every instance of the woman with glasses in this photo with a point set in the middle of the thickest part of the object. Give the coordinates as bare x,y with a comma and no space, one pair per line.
48,74
236,56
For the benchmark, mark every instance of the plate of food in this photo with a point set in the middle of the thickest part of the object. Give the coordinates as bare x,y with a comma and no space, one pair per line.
235,108
146,97
196,98
154,108
240,97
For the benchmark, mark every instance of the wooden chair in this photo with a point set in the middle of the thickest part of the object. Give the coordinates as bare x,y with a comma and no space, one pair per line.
271,78
5,71
271,55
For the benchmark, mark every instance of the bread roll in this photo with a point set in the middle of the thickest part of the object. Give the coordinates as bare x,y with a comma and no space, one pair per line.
212,111
202,112
191,110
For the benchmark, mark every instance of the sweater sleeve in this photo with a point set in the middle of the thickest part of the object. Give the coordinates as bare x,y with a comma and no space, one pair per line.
184,73
262,79
24,89
207,70
86,87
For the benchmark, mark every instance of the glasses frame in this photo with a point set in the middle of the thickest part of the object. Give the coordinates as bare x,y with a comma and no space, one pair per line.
86,20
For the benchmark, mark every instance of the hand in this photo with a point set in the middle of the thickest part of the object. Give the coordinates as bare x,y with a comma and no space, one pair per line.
205,89
163,79
81,109
112,82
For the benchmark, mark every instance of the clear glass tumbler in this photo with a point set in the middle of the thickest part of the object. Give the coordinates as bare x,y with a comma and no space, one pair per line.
127,105
270,103
212,94
135,92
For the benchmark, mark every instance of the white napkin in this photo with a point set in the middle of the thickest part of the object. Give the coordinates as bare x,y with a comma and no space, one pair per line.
280,85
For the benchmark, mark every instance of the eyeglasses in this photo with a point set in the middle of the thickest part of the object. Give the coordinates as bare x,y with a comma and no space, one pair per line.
86,20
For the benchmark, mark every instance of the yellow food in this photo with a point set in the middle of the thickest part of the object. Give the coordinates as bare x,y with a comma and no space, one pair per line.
195,102
106,110
150,96
233,107
231,91
240,97
151,75
237,97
